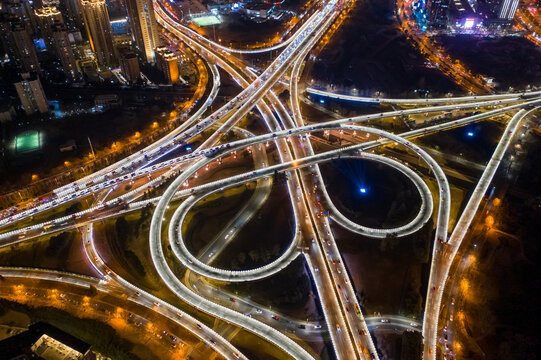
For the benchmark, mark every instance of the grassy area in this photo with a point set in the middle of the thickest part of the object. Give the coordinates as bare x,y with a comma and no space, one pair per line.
457,200
61,251
255,348
206,20
398,263
389,198
123,243
272,227
474,142
287,291
211,214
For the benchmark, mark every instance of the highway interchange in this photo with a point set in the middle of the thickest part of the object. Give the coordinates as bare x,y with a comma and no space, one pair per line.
313,239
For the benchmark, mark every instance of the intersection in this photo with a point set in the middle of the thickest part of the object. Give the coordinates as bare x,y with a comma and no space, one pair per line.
291,137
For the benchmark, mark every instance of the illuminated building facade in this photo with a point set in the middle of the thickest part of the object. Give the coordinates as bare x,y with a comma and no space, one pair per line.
100,34
167,62
143,26
31,95
64,52
72,13
18,44
129,64
47,17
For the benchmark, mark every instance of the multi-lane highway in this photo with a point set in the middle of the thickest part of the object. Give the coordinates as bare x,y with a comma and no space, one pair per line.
348,329
444,254
270,170
444,100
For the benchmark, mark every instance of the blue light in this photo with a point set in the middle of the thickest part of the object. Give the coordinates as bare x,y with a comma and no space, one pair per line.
470,133
321,101
188,148
362,190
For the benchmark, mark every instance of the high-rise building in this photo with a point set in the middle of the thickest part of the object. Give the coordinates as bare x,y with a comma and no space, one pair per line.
47,17
72,13
23,10
99,30
438,13
18,44
143,26
129,64
31,94
167,63
64,52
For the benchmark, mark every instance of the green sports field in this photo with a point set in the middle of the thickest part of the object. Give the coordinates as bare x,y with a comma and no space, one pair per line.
27,142
206,20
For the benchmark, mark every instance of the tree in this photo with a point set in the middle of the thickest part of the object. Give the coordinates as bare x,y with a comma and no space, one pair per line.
92,291
412,346
58,244
75,208
123,230
242,257
254,256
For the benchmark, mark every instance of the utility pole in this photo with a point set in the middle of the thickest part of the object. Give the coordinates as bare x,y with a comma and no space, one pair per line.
91,148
